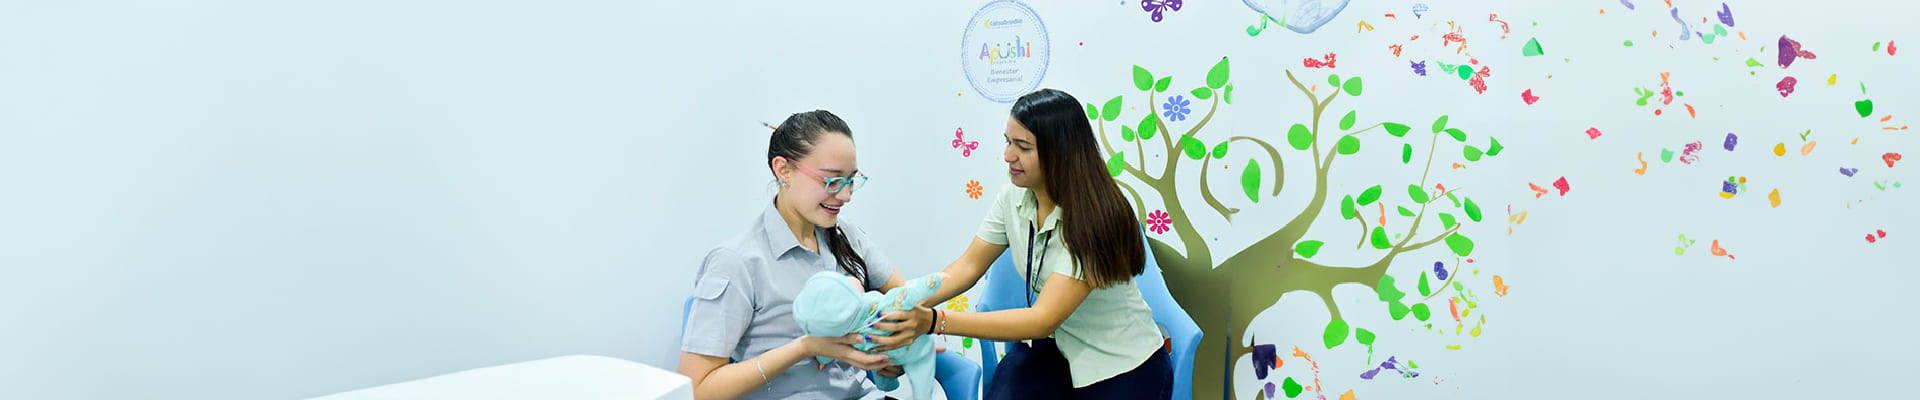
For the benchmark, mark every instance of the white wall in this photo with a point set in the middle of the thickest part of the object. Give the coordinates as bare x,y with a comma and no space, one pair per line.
228,199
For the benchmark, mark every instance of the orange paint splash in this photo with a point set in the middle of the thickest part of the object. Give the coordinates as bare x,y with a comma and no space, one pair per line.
1500,286
1690,113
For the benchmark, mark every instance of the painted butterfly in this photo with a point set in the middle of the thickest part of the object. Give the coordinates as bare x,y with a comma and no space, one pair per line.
960,142
1158,6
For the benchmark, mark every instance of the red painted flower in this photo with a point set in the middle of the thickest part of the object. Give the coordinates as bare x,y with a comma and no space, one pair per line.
1158,220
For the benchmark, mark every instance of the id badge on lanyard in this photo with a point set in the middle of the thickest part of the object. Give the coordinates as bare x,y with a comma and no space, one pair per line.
1034,266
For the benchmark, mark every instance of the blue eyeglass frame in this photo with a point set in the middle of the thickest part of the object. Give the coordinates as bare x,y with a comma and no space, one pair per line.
835,184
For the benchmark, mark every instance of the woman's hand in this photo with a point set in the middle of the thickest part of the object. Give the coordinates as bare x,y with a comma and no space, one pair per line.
841,348
905,325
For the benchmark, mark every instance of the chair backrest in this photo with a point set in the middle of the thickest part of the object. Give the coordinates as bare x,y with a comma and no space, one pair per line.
1005,291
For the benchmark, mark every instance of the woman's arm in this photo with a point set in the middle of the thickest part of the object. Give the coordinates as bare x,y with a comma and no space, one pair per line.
715,378
1057,301
965,271
1062,295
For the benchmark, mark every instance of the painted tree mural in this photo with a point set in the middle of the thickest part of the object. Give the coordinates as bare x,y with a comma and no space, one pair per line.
1223,292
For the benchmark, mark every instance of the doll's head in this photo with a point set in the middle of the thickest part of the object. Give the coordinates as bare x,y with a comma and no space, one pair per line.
832,304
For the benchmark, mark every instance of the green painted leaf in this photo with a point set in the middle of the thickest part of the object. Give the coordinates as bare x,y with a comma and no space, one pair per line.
1380,238
1440,124
1148,127
1473,210
1493,148
1397,310
1292,388
1202,93
1111,110
1471,153
1416,193
1387,291
1220,150
1300,137
1347,121
1092,113
1460,244
1457,134
1363,336
1446,221
1404,212
1425,290
1228,95
1420,312
1456,200
1347,145
1217,77
1406,153
1368,196
1397,130
1194,148
1336,333
1352,86
1333,80
1250,180
1347,210
1142,79
1126,133
1162,85
1307,249
1116,164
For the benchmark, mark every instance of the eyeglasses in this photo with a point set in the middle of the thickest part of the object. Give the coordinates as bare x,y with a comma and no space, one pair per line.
836,184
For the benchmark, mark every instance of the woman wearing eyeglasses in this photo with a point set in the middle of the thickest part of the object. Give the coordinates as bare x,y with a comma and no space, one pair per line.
1077,244
741,340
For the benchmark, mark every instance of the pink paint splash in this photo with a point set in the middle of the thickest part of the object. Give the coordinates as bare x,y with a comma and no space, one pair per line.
1528,97
1562,185
1593,133
1786,86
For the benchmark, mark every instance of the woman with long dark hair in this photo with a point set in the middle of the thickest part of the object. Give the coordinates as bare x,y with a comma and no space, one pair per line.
1076,243
741,340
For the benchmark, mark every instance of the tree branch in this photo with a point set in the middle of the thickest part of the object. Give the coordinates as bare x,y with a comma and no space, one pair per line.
1137,173
1206,191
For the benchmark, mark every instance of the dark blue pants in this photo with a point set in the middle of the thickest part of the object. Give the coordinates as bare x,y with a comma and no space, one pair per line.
1040,372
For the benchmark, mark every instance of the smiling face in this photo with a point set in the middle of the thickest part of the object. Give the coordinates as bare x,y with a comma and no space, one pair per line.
805,193
1023,157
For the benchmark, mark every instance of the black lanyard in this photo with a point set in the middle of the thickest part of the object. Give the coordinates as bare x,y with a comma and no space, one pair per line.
1032,266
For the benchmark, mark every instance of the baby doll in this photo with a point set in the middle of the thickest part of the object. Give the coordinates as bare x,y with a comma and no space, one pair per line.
831,304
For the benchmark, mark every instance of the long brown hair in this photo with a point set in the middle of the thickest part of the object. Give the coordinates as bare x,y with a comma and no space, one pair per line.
794,140
1096,222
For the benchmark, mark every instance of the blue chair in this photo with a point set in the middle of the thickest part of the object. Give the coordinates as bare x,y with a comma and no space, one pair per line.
1005,291
959,377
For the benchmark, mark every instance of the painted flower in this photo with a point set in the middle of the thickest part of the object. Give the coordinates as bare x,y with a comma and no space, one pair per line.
958,304
1158,220
1175,109
973,189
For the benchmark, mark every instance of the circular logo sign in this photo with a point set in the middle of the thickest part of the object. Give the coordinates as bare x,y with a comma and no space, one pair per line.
1004,51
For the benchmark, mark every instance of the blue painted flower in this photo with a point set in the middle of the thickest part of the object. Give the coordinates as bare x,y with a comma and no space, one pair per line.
1175,109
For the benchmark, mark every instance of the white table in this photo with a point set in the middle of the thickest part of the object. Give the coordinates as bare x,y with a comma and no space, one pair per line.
578,377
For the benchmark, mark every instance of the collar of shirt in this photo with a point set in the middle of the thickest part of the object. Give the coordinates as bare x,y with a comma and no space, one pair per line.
1029,209
780,240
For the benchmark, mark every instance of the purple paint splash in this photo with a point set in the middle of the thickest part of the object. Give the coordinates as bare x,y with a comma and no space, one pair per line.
1731,140
1625,3
1726,15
